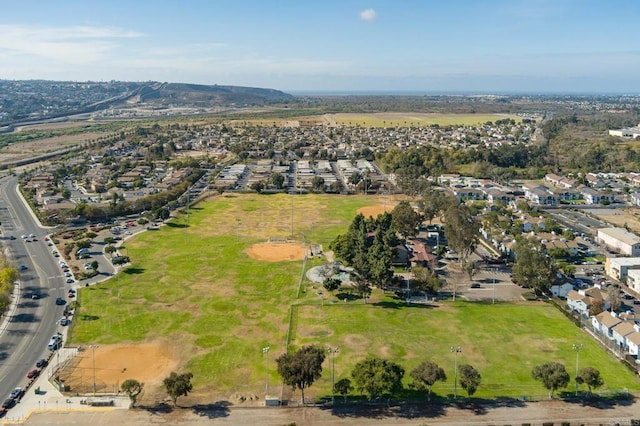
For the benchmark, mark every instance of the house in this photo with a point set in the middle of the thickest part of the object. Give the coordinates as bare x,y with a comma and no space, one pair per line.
561,290
581,301
594,180
621,239
421,255
633,342
592,196
620,332
539,194
604,322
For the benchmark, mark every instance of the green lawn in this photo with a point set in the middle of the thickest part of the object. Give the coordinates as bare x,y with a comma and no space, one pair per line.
193,284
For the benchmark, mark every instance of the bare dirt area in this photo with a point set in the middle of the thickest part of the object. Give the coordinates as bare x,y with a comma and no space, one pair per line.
629,217
113,364
277,252
458,414
374,211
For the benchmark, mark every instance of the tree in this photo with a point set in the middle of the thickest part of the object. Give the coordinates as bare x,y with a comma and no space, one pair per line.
132,388
405,219
317,183
469,378
376,377
178,385
426,375
470,268
162,213
331,284
343,387
425,280
553,376
590,377
615,298
257,186
597,306
432,203
300,369
95,265
461,230
277,180
110,249
533,269
362,287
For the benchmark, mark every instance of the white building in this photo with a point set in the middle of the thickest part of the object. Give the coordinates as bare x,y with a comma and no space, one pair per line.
619,267
621,239
633,279
631,132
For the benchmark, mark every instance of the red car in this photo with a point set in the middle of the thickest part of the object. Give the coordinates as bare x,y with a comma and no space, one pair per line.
33,373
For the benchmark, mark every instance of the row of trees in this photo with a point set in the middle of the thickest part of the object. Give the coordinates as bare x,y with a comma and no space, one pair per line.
376,377
8,276
373,377
176,385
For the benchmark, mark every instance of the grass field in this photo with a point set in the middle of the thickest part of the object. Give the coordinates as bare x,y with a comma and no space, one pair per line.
414,119
191,283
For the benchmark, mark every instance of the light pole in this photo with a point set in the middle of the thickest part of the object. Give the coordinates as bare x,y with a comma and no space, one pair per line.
265,352
455,351
493,301
577,348
93,347
333,352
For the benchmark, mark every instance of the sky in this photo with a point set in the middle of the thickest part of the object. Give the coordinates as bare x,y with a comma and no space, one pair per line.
474,46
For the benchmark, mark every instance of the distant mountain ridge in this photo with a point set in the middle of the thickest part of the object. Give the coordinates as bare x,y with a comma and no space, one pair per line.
204,95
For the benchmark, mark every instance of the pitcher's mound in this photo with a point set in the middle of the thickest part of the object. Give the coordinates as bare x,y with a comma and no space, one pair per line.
277,252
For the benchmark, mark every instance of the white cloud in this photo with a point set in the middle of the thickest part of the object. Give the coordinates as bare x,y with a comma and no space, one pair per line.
75,44
368,15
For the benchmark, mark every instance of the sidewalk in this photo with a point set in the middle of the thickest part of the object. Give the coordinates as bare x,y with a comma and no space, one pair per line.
50,399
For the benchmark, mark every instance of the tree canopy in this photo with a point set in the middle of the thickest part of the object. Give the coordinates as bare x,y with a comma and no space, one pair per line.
553,376
132,388
461,229
469,379
533,269
300,369
426,375
405,220
590,377
377,377
178,385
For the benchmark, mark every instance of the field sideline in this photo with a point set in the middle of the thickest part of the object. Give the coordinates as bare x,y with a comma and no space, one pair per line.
193,285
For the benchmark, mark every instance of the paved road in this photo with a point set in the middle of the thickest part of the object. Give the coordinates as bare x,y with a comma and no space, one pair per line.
26,330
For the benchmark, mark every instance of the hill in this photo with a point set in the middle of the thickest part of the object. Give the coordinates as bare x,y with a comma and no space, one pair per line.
203,95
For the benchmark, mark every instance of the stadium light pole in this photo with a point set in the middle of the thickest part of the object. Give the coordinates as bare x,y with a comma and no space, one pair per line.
333,352
265,352
577,348
455,351
93,350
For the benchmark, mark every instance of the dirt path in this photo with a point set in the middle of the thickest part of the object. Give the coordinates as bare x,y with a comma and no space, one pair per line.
514,413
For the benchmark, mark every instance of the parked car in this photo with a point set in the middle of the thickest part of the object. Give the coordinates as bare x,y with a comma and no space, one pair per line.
64,321
33,373
475,285
60,301
42,363
8,403
17,393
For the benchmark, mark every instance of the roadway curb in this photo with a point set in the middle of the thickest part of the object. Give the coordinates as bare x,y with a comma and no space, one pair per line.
14,305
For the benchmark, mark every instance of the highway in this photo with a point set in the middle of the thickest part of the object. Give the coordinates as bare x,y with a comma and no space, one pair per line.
24,340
